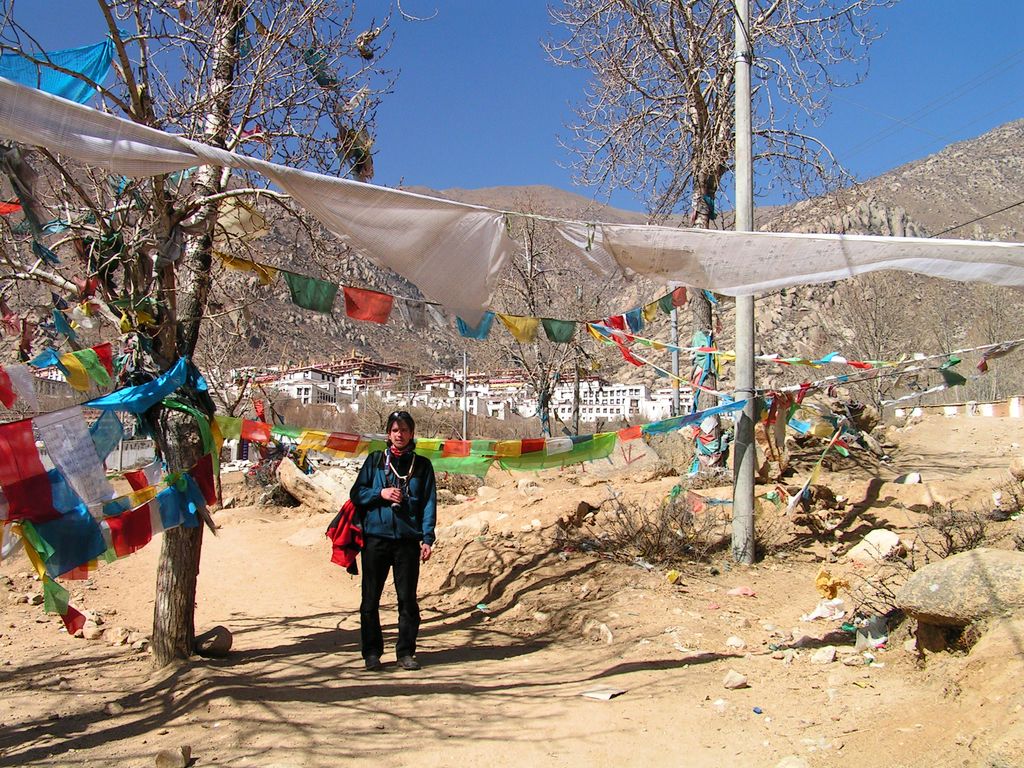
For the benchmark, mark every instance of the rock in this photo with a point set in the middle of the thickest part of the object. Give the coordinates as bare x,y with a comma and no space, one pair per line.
116,635
792,761
973,585
215,643
91,632
825,655
911,478
853,660
318,492
595,630
113,708
529,487
35,599
468,527
735,642
877,545
734,680
1017,467
174,758
486,492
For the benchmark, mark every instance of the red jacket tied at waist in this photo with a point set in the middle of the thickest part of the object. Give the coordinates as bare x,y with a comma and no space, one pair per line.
346,538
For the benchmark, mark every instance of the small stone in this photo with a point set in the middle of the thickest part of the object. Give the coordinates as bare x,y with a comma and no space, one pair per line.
215,643
113,708
91,632
735,642
174,758
825,655
734,680
35,599
910,645
855,660
116,635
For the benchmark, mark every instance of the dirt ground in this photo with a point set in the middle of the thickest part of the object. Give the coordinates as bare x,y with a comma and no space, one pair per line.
517,626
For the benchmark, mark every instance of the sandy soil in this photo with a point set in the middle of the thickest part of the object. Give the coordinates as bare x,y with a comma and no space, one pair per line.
516,627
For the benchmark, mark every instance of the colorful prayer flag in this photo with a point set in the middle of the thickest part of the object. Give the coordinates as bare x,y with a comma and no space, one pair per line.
310,293
372,306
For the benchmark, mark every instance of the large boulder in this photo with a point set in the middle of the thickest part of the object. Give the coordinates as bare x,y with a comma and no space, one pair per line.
317,492
964,588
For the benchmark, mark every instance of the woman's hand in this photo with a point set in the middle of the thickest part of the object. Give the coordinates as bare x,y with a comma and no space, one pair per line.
393,495
425,550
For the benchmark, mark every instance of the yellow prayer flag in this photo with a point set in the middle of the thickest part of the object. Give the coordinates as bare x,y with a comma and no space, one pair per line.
76,374
650,311
313,440
524,329
506,449
265,274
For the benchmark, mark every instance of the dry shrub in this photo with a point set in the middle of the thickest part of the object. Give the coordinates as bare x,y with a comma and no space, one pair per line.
668,534
953,530
467,485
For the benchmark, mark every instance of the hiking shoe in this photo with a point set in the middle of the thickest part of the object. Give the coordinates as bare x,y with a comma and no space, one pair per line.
373,664
409,663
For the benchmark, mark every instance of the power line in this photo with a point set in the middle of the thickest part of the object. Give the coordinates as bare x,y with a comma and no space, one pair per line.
979,218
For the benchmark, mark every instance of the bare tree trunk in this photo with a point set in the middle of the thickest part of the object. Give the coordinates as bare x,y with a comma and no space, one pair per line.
703,322
173,634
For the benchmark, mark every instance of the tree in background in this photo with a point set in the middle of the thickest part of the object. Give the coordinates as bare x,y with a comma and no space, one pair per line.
542,282
293,80
658,117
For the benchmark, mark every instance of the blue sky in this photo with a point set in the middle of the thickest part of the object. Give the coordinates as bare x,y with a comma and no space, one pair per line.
478,105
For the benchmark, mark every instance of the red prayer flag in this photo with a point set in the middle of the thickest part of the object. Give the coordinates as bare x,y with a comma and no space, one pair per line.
202,473
106,356
131,530
257,431
456,448
73,620
342,442
11,207
373,306
261,412
679,297
22,475
631,433
533,445
7,394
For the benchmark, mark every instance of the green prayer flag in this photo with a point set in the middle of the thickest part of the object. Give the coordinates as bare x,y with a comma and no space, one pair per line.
665,304
230,426
950,363
34,540
281,430
462,465
96,370
310,293
951,377
600,447
55,597
559,331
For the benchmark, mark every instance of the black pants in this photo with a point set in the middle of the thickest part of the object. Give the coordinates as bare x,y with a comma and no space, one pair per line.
379,555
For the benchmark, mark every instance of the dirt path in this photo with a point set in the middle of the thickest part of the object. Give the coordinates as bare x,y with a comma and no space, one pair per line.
501,685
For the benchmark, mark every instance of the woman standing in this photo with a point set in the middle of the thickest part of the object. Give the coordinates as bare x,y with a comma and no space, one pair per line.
397,495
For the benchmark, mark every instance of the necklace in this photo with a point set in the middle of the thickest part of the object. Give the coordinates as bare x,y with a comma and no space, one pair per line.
402,479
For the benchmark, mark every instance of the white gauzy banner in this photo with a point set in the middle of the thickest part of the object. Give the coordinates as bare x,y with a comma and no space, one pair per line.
453,252
738,263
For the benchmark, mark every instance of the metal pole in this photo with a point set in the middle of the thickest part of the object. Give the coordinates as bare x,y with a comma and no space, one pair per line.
675,361
465,396
744,455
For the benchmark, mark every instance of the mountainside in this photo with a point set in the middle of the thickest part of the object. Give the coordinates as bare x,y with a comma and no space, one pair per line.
909,314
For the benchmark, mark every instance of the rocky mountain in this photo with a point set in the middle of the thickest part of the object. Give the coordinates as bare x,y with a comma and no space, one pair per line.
949,193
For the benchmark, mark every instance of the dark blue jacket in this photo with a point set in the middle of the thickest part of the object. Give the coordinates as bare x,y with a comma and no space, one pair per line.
417,513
